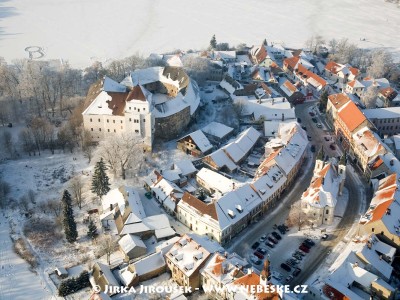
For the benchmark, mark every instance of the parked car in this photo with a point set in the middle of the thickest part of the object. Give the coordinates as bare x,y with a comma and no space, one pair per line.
262,238
310,242
306,245
324,236
262,250
259,255
304,127
311,114
326,138
255,245
304,249
296,272
289,279
298,120
269,244
276,235
292,261
319,125
281,229
309,137
272,239
332,146
297,256
301,253
312,148
277,276
314,120
286,267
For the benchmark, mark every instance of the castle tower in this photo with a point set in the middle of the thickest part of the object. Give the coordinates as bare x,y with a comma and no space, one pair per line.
265,275
319,162
342,172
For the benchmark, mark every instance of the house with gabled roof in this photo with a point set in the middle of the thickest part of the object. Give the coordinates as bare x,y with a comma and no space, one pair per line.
381,218
389,97
195,143
185,260
340,74
335,102
349,120
220,270
132,246
260,56
366,146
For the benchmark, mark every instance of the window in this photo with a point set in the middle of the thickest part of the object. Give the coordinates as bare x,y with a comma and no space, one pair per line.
107,120
373,229
114,121
90,119
108,130
129,108
99,120
144,109
121,121
138,109
136,131
144,120
130,119
327,211
99,129
91,129
115,130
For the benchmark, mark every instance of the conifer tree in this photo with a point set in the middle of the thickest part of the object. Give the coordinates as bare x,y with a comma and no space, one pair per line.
213,42
323,101
100,181
92,230
69,223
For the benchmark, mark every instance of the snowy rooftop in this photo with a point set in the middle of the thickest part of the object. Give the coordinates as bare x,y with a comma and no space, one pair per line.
369,142
270,109
220,158
164,246
125,196
110,85
185,166
216,129
216,181
224,269
382,113
129,242
187,255
200,140
164,188
149,263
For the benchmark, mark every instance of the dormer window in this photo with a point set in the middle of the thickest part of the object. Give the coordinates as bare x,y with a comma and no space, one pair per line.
231,214
239,208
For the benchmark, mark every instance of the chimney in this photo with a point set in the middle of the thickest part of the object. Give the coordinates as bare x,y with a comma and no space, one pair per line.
249,271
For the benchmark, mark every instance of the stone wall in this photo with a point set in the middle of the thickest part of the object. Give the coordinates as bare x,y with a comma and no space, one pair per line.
172,127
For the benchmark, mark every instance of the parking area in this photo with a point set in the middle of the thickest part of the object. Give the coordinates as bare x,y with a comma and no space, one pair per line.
288,251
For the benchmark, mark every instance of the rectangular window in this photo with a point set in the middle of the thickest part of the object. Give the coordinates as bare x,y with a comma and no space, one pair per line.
115,130
99,120
136,131
108,130
90,119
91,129
114,121
107,120
144,120
130,119
99,129
138,109
129,108
121,122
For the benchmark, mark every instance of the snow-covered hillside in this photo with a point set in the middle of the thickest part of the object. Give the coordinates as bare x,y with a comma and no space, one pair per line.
88,30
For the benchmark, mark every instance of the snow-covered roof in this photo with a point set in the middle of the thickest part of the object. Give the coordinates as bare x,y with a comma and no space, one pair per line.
369,142
164,233
149,264
371,253
165,246
216,129
187,255
200,140
185,166
220,158
106,272
130,241
164,188
110,85
270,109
382,113
215,181
246,140
125,196
210,245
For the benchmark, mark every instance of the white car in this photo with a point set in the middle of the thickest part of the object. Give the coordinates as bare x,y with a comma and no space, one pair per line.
263,238
319,125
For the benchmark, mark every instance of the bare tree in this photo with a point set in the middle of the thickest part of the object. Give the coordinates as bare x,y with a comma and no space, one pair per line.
106,246
198,68
4,191
121,151
296,216
314,43
27,141
55,207
369,96
87,145
76,186
382,63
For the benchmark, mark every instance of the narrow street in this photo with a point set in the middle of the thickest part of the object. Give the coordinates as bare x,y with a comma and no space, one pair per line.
242,244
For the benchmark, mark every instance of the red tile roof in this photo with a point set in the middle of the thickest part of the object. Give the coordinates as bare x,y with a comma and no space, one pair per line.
291,62
206,209
388,93
338,100
136,94
332,67
261,54
351,116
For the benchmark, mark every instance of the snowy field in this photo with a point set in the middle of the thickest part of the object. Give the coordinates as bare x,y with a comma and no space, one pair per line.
88,30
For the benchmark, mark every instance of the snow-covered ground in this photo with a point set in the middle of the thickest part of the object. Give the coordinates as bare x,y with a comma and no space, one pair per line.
84,31
16,279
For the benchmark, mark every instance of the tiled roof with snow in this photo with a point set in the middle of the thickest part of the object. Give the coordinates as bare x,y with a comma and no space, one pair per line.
110,85
351,116
216,129
130,241
382,113
164,188
149,264
187,255
369,142
201,140
216,181
270,109
185,166
221,160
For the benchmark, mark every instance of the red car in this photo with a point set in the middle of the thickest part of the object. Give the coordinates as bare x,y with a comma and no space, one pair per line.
304,249
259,255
